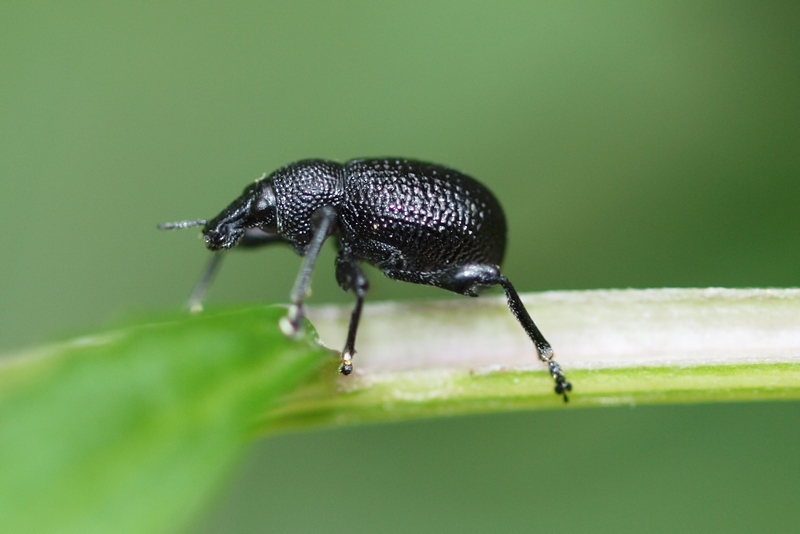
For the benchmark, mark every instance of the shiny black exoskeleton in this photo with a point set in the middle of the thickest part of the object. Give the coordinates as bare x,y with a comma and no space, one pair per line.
417,222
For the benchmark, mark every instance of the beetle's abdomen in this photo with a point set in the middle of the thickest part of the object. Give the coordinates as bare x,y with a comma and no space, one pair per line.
411,215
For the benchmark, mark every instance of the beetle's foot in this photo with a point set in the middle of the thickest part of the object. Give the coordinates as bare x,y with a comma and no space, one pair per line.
562,386
347,363
290,324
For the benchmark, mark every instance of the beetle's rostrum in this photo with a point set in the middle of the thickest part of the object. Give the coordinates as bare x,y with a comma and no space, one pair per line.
417,222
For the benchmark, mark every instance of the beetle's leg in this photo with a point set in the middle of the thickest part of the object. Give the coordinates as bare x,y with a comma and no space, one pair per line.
324,220
195,303
350,276
252,238
543,348
466,280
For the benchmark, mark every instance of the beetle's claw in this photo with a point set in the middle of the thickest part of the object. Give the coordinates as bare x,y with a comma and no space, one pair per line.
562,386
290,324
286,327
347,363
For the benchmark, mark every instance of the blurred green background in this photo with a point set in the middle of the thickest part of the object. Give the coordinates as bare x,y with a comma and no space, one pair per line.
633,144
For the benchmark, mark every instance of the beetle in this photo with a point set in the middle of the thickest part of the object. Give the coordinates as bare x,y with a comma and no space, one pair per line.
417,222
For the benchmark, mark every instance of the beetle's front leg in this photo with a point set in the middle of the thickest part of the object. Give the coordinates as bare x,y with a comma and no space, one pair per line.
252,238
324,220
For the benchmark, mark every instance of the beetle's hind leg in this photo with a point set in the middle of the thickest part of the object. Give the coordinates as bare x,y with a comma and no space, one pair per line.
466,280
350,277
543,348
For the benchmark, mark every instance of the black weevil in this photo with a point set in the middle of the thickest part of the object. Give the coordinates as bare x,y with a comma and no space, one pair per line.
417,222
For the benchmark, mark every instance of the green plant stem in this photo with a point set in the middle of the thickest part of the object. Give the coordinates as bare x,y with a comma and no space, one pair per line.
620,347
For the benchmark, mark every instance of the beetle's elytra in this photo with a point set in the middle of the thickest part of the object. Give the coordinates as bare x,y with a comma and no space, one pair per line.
417,222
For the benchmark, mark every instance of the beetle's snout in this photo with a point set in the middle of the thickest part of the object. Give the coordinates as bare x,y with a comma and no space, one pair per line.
221,237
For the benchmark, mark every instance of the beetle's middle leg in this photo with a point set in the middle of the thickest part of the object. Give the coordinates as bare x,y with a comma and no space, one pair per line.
350,277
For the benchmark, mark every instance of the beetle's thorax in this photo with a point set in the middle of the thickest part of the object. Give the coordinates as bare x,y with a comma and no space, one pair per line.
301,189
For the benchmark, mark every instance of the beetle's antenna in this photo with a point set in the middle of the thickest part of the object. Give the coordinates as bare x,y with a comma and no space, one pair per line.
195,303
179,225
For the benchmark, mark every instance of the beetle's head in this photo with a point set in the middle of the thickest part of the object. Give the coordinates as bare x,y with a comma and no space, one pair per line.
255,208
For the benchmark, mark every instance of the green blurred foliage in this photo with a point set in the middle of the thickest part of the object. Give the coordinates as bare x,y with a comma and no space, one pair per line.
633,144
131,429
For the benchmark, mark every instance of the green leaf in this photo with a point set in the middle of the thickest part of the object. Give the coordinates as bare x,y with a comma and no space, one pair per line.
130,430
